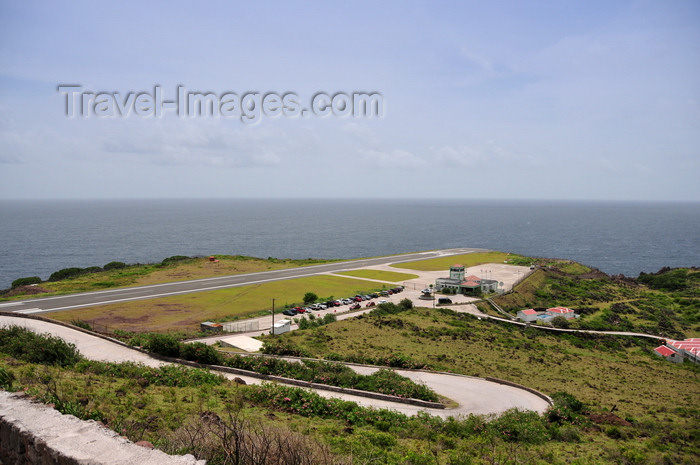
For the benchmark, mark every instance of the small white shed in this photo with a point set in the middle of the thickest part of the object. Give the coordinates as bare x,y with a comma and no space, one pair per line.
281,327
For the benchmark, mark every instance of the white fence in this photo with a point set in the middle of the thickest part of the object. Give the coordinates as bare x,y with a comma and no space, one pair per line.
241,326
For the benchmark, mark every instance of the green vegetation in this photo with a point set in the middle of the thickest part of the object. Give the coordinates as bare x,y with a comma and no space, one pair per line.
26,281
666,303
310,298
26,345
390,276
623,386
383,381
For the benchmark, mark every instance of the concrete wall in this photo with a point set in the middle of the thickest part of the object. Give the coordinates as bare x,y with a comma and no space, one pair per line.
34,434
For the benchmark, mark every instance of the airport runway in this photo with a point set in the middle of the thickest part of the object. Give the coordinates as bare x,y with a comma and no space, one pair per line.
91,299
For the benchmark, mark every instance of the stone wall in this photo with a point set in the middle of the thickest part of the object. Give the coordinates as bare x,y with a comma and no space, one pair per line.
35,434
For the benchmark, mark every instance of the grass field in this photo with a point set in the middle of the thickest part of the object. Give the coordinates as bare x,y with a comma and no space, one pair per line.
444,263
657,399
185,312
391,276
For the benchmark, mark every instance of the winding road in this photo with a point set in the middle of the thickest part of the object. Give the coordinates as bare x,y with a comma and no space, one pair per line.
472,395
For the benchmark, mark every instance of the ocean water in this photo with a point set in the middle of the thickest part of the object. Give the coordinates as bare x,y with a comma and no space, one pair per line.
40,237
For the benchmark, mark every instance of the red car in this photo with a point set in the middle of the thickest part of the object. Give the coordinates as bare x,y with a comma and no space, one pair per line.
354,307
370,304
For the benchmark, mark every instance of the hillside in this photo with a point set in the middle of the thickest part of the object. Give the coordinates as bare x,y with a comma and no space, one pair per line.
666,303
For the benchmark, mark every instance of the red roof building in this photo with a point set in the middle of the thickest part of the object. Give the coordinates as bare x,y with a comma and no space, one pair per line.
561,311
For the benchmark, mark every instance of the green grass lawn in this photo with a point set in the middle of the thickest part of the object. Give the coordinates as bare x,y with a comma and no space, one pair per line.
380,275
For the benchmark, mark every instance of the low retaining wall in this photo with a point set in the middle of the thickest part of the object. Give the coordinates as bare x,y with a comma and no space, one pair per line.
32,433
520,386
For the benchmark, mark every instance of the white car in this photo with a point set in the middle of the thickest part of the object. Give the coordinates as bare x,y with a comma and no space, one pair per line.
383,301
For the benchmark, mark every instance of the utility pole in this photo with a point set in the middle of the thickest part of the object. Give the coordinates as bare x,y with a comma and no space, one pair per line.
273,317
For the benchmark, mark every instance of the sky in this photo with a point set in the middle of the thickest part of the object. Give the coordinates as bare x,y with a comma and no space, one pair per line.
594,100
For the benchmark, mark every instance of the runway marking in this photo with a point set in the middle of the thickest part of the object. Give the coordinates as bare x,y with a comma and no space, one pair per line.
30,310
11,304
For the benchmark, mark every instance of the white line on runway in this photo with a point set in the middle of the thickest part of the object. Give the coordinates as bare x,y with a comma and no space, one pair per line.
11,304
30,310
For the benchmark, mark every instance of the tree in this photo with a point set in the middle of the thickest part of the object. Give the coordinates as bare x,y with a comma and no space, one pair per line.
310,298
560,322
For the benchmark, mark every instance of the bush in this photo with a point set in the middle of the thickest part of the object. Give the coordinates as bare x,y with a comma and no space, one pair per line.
163,344
65,273
520,426
201,353
310,298
174,259
114,266
23,344
6,379
560,322
26,281
81,324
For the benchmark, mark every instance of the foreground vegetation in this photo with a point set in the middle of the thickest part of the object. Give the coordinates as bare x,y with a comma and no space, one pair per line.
183,410
641,406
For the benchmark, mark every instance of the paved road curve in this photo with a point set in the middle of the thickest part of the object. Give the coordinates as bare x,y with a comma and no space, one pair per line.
473,395
91,299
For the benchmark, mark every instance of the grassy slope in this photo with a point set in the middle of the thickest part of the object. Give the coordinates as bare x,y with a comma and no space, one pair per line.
613,304
604,372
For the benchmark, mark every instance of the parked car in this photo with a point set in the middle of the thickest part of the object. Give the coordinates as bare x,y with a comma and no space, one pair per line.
370,304
367,296
289,312
374,295
321,306
331,303
301,310
338,303
384,293
355,306
444,300
383,301
357,299
348,301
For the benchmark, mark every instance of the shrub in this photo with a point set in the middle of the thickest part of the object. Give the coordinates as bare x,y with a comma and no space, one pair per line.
114,266
23,344
174,259
81,324
6,379
65,273
560,322
520,426
163,344
310,297
26,281
201,353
